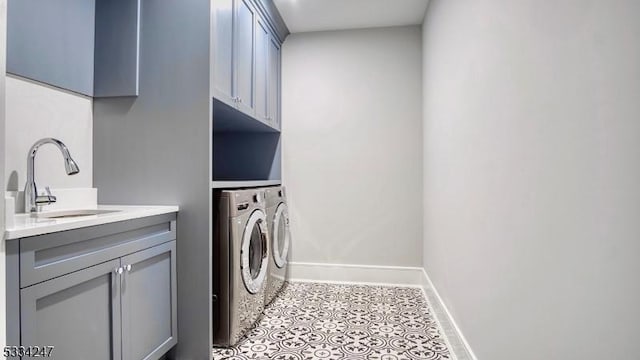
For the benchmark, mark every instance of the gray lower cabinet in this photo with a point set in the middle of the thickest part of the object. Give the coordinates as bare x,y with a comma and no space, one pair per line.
78,314
148,291
106,292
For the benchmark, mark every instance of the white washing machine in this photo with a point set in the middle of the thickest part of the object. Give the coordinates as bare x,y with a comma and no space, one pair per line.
240,263
278,223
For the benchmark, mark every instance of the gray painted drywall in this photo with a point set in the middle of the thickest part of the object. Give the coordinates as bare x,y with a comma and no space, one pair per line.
352,145
532,173
3,46
155,149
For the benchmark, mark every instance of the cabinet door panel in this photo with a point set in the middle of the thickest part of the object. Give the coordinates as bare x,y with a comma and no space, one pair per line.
149,326
52,42
274,83
78,314
262,68
222,51
244,33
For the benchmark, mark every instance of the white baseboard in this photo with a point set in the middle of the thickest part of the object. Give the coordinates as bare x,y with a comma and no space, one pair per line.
357,274
456,341
392,276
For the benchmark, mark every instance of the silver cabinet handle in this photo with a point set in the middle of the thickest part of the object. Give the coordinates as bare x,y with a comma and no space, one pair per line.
128,267
118,270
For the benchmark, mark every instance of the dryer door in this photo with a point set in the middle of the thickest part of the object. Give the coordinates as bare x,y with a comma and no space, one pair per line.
281,235
253,261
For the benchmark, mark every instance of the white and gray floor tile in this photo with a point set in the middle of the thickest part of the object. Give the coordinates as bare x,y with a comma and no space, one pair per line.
337,321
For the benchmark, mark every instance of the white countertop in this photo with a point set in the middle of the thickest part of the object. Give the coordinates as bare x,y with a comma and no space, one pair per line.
26,225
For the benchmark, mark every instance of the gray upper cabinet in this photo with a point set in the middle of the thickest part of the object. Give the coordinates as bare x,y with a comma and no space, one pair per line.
246,60
52,41
244,55
149,323
222,53
85,46
274,83
78,314
117,40
233,54
262,69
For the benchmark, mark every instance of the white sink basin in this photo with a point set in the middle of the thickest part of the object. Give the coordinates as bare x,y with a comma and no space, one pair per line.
71,213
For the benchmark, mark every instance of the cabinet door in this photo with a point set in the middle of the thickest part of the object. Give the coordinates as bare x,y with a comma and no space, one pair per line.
149,327
274,83
244,41
52,42
78,314
262,69
222,51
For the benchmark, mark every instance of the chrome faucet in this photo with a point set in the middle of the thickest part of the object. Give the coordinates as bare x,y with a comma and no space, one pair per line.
31,198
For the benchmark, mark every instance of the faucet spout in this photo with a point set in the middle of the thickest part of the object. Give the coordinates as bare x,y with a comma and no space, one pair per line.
31,198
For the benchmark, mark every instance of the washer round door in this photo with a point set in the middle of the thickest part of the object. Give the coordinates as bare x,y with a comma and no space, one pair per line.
281,235
253,261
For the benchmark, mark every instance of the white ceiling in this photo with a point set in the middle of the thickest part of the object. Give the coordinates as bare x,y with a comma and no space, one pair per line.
321,15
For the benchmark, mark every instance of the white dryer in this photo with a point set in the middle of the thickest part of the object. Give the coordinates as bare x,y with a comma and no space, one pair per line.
240,263
278,223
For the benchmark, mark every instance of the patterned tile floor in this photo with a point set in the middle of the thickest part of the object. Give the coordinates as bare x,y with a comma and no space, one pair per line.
335,321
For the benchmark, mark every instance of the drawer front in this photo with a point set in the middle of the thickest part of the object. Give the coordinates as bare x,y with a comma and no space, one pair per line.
48,256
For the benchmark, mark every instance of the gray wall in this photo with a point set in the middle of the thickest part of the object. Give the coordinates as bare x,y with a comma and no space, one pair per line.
154,149
532,174
352,145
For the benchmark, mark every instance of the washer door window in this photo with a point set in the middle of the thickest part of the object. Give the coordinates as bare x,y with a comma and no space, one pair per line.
281,235
254,252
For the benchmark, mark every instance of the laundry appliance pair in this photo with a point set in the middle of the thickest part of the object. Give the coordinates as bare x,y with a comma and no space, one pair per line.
251,241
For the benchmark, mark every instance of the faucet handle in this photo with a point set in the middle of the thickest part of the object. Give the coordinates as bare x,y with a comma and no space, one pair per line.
45,199
51,198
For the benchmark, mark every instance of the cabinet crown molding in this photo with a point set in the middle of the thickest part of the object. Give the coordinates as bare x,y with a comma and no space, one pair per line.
269,12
